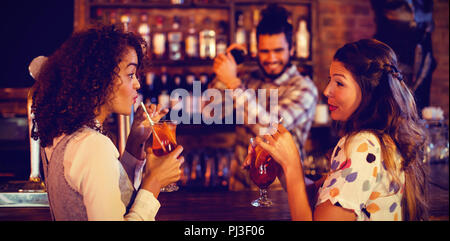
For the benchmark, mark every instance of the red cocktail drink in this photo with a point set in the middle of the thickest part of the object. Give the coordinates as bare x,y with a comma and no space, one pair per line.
263,169
165,132
164,142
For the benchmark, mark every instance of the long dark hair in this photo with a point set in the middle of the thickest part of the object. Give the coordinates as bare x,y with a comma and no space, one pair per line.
388,110
77,79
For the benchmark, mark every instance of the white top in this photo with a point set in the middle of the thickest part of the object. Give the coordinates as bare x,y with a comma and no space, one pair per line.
358,180
91,167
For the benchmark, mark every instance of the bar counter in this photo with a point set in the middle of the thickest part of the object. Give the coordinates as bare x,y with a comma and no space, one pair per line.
217,206
221,206
187,205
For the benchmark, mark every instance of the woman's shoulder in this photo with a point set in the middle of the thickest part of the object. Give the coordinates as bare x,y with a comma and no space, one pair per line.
364,143
92,139
361,137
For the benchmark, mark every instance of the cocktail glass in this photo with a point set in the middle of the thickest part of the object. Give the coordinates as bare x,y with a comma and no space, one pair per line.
263,171
164,142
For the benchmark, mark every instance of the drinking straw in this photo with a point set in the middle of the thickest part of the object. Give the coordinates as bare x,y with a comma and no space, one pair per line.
151,124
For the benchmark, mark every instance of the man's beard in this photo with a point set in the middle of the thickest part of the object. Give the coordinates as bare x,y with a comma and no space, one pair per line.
274,76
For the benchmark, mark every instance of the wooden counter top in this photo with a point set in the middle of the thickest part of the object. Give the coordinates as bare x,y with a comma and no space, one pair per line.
235,206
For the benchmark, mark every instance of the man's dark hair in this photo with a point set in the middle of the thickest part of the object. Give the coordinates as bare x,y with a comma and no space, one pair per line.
274,21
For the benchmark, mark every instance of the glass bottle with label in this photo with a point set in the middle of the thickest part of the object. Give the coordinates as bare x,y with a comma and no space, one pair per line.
125,20
175,38
144,30
149,90
191,41
222,37
190,78
204,80
177,83
113,17
164,88
253,37
207,40
159,39
241,34
302,40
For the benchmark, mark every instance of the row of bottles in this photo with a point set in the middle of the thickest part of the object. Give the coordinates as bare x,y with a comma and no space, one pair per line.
206,168
248,37
181,38
176,38
157,87
174,2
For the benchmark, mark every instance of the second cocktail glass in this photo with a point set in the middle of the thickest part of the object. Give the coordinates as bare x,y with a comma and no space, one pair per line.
263,171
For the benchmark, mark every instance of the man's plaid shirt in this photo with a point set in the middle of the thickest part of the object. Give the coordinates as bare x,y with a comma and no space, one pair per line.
297,99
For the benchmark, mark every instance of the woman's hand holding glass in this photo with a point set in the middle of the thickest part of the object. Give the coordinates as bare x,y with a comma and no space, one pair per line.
281,146
160,171
140,130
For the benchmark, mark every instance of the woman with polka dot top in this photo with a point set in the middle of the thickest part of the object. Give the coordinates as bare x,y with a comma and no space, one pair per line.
376,168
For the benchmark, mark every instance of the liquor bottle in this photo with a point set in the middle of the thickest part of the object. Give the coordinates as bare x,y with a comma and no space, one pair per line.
253,37
178,81
223,167
204,80
191,41
175,38
189,83
99,15
302,40
210,175
159,39
207,40
164,89
125,20
222,37
150,92
241,34
144,30
113,17
190,78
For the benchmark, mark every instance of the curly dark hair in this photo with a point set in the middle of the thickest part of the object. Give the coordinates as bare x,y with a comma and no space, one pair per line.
77,79
388,110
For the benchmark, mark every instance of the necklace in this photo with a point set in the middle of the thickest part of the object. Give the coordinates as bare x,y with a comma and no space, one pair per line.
98,127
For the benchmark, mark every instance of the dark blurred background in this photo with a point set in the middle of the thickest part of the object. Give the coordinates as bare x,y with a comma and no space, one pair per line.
29,29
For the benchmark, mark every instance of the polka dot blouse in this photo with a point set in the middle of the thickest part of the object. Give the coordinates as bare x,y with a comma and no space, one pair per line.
360,182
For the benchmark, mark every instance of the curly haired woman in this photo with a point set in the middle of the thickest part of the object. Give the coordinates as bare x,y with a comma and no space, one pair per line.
376,168
92,75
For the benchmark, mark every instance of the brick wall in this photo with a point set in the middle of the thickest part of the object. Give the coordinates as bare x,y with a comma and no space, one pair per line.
440,82
342,21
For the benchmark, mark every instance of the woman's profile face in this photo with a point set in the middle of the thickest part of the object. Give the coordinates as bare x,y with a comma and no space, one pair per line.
125,85
342,91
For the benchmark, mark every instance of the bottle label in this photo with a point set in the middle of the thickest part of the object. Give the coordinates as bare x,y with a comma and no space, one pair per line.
207,44
240,37
191,46
159,44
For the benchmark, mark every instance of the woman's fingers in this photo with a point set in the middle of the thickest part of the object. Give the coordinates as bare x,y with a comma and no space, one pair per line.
282,129
181,159
158,108
152,110
175,153
270,139
247,160
266,146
